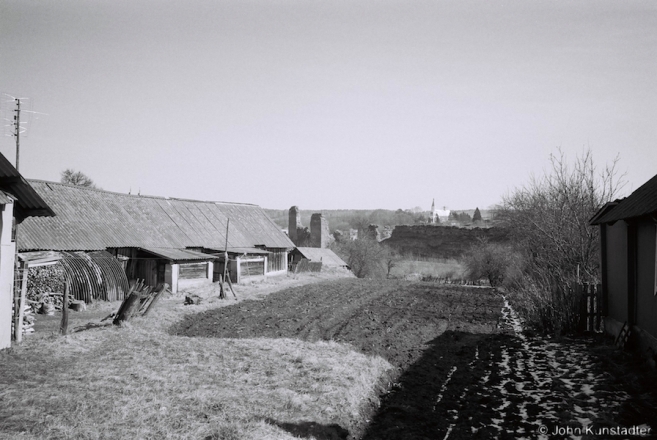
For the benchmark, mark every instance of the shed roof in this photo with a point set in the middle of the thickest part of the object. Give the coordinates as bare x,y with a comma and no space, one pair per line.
326,256
93,219
29,203
641,202
179,254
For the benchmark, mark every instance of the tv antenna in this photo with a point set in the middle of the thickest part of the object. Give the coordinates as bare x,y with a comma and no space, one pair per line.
17,127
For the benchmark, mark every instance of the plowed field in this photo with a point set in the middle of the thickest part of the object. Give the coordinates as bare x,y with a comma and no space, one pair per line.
392,319
464,369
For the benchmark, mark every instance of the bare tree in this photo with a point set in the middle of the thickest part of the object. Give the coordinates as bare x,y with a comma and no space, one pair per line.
77,178
496,262
366,257
549,223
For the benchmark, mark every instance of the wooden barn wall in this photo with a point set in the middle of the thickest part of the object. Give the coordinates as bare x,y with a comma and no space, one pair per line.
617,271
192,271
646,301
277,261
250,267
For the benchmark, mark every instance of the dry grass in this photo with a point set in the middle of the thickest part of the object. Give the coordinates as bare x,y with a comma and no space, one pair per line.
438,268
140,382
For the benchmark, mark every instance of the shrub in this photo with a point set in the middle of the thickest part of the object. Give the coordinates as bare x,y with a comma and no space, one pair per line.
497,263
549,224
366,257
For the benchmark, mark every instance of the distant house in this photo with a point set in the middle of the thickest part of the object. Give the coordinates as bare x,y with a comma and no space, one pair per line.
327,257
158,239
17,202
628,231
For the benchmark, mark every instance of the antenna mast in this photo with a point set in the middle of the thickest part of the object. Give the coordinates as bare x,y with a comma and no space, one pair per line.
17,128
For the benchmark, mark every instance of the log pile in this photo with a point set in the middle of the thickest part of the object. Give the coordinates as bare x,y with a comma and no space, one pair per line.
138,302
46,303
28,321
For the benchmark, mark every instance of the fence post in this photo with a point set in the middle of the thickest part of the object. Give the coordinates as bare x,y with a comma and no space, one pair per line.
598,315
581,323
63,327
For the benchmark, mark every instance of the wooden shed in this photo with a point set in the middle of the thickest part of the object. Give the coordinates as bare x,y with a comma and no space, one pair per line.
628,234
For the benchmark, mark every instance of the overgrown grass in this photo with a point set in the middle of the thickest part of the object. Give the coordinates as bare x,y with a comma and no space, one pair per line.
140,382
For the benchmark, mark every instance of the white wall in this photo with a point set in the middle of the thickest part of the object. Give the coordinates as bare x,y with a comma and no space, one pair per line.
7,256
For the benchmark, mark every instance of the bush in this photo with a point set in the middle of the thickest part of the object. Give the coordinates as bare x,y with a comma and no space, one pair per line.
549,224
366,257
497,263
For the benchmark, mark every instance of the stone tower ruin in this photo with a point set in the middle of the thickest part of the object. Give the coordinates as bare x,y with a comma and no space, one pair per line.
294,222
320,236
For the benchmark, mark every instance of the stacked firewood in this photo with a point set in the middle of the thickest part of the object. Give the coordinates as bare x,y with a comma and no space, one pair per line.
46,303
28,321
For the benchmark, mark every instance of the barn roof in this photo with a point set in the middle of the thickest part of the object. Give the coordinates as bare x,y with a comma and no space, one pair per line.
93,219
641,202
326,256
28,202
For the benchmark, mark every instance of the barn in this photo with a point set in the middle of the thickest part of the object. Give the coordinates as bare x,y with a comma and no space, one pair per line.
628,234
158,239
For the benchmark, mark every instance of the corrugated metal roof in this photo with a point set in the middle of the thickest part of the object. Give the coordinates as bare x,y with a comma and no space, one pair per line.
6,198
29,203
92,219
326,256
179,254
641,202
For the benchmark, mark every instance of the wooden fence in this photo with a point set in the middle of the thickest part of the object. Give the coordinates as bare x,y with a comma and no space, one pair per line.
591,307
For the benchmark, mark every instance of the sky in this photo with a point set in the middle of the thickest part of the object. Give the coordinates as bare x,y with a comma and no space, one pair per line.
340,104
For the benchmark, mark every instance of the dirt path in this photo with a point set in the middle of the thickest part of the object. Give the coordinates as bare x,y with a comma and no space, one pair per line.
501,386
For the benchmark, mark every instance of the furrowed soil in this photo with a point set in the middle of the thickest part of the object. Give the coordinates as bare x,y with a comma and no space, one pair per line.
463,368
392,319
397,320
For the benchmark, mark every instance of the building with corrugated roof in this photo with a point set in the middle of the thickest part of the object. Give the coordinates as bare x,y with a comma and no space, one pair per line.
159,239
18,201
628,239
326,256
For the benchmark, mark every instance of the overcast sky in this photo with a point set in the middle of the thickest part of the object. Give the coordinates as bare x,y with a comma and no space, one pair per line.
330,104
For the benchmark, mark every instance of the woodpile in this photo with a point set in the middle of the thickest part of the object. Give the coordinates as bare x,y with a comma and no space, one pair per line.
46,303
28,321
138,302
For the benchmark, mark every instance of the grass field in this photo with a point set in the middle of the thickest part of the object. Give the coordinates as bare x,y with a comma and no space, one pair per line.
141,382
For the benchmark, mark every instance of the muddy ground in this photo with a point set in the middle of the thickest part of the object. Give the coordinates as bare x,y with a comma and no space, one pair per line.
464,370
